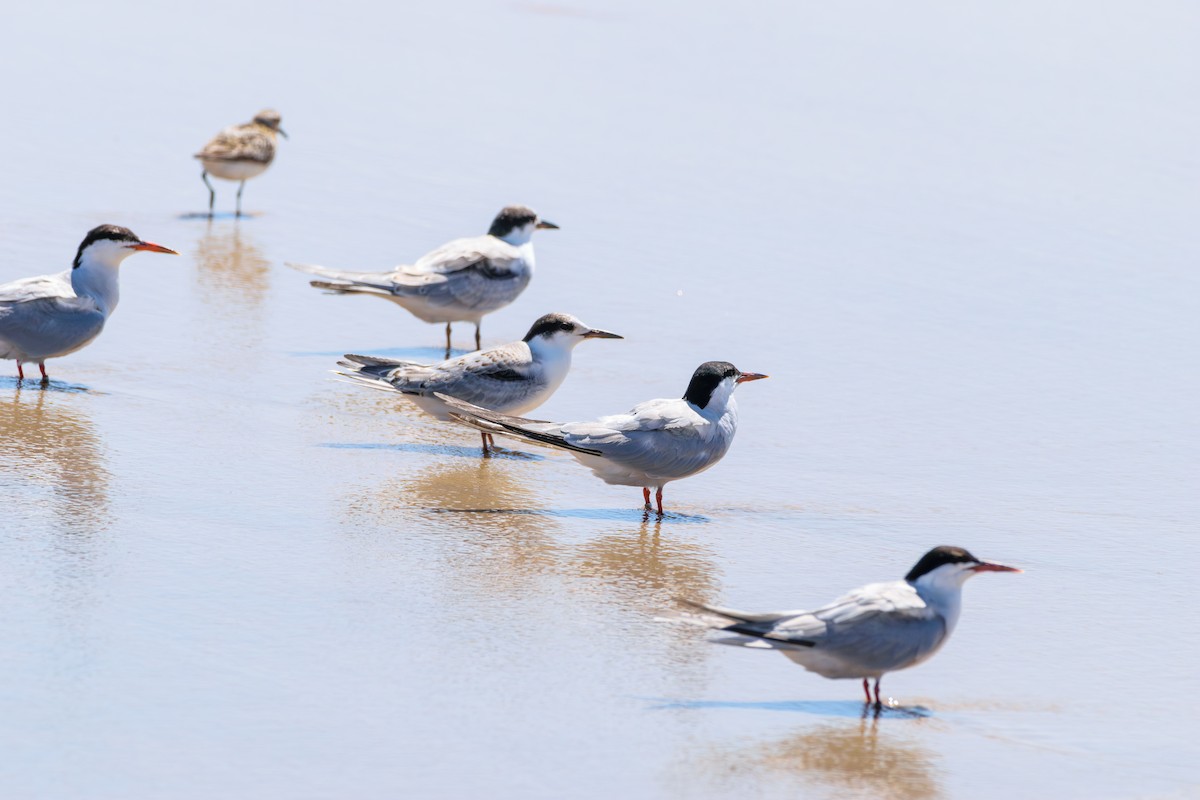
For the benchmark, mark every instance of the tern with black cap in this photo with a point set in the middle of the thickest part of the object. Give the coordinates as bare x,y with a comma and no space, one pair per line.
240,152
513,378
652,444
461,281
873,630
49,316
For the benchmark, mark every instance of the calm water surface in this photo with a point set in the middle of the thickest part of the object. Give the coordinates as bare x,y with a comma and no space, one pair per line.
962,242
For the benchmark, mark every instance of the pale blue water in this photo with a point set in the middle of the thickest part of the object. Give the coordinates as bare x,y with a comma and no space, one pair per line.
962,242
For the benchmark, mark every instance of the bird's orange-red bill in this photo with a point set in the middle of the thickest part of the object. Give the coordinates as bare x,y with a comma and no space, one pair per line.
154,248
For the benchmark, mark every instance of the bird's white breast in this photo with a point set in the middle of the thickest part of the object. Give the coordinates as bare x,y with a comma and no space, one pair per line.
233,170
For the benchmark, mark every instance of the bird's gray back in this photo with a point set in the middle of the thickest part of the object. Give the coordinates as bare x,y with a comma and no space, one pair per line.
48,327
503,378
248,142
662,439
480,274
875,629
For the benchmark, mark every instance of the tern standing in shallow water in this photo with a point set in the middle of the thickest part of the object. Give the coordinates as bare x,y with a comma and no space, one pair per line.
461,281
240,152
53,315
513,378
873,630
654,443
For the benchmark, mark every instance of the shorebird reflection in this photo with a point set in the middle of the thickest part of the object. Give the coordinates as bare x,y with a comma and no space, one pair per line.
232,270
853,758
51,446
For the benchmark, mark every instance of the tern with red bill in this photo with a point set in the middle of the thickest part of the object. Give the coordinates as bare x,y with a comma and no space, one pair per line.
873,630
461,281
53,315
649,446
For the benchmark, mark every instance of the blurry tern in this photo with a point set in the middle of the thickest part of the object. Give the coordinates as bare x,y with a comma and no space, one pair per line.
875,629
513,378
53,315
461,281
654,443
240,152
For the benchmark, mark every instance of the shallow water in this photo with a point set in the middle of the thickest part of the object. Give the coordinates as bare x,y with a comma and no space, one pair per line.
962,242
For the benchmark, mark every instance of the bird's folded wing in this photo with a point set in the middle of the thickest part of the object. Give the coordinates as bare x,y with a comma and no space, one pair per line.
36,288
655,438
51,322
239,144
491,258
886,639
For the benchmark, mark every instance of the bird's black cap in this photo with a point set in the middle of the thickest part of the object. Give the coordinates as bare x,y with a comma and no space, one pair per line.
945,554
115,232
510,218
549,323
706,379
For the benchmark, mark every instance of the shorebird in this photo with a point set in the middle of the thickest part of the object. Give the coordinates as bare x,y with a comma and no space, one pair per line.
53,315
654,443
240,152
513,378
461,281
873,630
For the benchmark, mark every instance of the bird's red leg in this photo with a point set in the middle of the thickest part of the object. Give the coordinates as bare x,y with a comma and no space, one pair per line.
646,496
484,437
21,377
877,701
42,367
658,499
867,689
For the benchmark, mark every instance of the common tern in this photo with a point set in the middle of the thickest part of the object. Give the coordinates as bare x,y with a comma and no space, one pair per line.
53,315
513,378
873,630
461,281
240,152
654,443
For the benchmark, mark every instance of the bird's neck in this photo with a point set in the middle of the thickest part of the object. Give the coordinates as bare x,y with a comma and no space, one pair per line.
519,237
720,406
943,598
551,355
98,280
525,248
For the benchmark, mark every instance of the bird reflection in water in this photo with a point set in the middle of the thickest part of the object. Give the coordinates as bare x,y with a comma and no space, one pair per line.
647,568
232,270
47,443
858,757
479,508
852,758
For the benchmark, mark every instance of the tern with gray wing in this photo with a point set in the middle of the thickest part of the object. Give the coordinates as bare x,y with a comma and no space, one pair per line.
513,378
240,152
654,443
461,281
49,316
873,630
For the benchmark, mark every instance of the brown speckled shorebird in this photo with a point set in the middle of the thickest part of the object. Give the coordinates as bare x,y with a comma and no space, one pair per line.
240,152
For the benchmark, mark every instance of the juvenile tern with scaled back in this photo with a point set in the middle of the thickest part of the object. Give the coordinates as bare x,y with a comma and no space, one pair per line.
513,378
240,152
461,281
54,315
873,630
654,443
